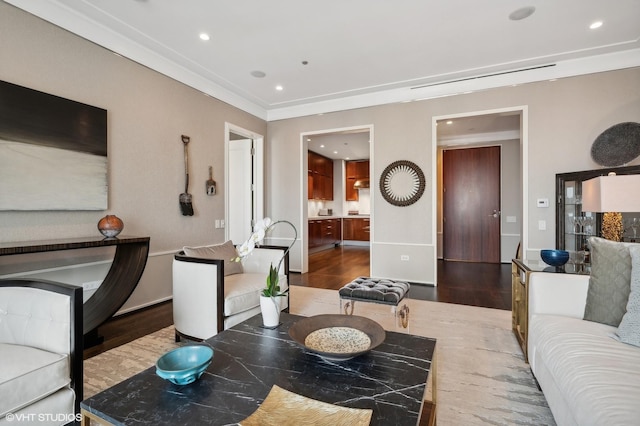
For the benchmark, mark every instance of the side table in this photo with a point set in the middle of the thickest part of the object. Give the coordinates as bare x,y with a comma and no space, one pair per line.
520,272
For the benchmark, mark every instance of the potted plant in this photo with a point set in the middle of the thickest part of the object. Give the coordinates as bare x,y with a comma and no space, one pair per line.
271,295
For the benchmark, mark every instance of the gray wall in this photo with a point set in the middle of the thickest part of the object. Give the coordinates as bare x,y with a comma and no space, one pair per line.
563,118
147,113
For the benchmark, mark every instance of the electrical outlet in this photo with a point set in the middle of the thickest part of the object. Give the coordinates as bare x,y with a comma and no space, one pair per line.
222,223
217,223
542,225
404,258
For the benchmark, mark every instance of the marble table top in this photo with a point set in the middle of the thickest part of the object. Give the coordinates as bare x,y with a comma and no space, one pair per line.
249,359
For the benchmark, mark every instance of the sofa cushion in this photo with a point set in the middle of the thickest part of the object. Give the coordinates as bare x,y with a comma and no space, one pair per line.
629,328
598,377
28,374
242,292
225,251
609,284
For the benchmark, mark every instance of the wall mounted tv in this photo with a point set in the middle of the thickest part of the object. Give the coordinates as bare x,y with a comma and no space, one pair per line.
53,152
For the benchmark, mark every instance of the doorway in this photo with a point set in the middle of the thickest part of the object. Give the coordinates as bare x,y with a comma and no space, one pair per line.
340,146
244,182
505,131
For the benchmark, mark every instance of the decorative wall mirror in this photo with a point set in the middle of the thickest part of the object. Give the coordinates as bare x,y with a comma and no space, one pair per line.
402,183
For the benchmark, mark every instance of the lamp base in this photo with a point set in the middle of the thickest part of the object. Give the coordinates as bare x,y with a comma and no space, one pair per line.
612,226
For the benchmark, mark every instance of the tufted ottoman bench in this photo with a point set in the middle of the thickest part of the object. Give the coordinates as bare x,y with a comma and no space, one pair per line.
376,290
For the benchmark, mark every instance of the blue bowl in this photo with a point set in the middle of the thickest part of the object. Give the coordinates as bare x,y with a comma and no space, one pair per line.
554,257
184,365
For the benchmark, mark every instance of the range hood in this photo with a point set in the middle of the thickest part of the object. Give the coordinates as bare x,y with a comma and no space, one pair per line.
361,184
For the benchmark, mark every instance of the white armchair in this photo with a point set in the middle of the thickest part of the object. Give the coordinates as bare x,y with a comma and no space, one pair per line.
40,352
205,301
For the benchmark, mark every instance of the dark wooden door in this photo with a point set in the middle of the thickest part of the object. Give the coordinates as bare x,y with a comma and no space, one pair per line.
471,204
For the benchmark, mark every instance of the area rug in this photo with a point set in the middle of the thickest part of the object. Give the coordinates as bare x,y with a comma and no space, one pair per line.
481,379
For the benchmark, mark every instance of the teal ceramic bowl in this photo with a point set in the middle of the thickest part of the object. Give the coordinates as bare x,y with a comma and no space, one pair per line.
554,257
184,365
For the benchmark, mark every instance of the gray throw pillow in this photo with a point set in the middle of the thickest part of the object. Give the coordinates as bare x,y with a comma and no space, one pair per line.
609,284
225,252
629,329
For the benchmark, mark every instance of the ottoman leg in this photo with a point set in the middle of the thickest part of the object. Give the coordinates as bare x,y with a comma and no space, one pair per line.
347,308
403,314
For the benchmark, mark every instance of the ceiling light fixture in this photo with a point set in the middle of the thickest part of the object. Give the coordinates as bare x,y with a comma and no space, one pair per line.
522,13
258,74
279,88
204,36
596,24
449,122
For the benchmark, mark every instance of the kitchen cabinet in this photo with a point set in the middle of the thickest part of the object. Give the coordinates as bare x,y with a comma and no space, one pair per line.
320,177
354,171
573,227
324,232
356,229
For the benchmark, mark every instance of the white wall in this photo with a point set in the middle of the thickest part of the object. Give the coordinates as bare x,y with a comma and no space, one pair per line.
147,113
564,118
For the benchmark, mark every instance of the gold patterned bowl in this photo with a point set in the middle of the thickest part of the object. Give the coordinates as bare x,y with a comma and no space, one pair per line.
337,337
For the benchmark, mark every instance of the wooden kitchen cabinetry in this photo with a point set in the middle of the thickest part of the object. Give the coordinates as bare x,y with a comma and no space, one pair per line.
354,171
320,177
324,232
356,229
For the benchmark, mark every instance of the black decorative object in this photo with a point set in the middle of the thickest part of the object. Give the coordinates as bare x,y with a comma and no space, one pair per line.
402,183
618,145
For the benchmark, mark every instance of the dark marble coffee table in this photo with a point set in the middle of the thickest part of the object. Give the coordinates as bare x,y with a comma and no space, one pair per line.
249,360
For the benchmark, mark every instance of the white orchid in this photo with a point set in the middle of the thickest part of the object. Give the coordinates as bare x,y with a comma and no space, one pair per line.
260,230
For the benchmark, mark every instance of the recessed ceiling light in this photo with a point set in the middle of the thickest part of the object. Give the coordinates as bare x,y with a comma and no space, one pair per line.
258,74
595,25
335,152
449,122
279,88
321,146
204,36
347,158
522,13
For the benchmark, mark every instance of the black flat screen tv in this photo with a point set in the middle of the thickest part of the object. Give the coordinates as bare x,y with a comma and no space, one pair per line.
53,152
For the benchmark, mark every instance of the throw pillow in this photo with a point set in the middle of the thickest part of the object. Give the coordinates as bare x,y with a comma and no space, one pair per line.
609,284
225,252
629,329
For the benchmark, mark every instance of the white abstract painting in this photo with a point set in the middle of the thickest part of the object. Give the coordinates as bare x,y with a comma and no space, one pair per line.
53,152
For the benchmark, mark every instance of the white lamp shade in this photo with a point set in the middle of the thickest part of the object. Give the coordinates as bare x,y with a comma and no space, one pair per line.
619,193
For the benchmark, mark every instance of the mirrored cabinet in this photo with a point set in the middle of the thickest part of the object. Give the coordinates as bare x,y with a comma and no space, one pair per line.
573,225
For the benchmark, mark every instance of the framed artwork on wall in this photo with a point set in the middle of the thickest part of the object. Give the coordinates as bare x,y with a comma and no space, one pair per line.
53,152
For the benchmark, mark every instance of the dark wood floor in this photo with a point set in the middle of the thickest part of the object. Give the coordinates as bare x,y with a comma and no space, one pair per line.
476,284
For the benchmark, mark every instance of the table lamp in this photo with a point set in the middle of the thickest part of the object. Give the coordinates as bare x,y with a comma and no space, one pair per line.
611,195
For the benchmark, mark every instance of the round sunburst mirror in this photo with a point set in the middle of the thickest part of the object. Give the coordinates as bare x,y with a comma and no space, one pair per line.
402,183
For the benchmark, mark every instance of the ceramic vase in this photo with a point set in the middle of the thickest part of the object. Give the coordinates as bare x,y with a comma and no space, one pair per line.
110,226
270,308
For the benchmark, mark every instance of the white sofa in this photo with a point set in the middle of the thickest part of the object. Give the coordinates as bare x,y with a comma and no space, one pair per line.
586,375
40,352
205,301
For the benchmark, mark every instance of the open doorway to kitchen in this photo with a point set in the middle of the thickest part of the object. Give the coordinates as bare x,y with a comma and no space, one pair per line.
336,203
502,134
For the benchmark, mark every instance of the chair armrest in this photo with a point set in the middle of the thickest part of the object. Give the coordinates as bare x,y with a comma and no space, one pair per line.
198,296
46,315
557,294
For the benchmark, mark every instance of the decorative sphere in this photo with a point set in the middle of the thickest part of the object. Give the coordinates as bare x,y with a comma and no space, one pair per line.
110,226
554,257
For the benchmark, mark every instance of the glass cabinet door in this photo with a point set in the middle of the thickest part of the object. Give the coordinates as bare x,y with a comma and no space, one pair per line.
573,226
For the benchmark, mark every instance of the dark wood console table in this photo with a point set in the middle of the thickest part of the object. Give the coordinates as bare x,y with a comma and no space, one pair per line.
128,264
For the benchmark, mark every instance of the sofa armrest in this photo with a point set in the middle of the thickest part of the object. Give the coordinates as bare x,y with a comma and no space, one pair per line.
557,294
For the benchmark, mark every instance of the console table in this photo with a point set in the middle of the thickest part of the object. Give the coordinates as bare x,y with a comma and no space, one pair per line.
128,264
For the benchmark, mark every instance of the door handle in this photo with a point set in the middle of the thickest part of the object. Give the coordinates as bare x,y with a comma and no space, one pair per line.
496,213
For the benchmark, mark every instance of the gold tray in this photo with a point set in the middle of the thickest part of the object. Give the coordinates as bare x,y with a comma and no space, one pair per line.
283,408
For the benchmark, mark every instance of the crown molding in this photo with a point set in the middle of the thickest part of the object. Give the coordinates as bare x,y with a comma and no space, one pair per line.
60,15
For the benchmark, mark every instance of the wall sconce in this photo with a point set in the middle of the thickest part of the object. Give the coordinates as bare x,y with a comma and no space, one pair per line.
611,195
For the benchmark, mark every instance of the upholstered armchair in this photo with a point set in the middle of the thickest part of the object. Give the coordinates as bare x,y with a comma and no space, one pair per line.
40,352
208,299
